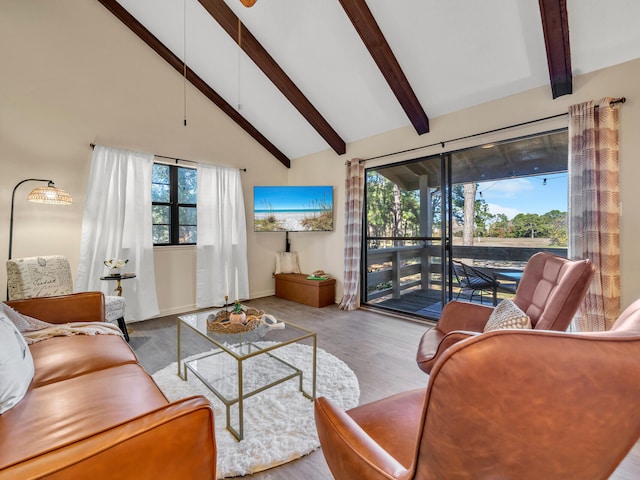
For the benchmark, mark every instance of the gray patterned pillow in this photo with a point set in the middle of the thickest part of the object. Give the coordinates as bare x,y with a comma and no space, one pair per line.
507,315
23,323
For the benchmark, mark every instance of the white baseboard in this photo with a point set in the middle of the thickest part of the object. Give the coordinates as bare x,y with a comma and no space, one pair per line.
189,308
176,310
265,293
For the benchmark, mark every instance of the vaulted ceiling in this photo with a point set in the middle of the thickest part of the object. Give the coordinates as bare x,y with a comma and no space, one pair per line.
304,76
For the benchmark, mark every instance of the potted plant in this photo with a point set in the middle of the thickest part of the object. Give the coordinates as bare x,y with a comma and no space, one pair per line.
237,316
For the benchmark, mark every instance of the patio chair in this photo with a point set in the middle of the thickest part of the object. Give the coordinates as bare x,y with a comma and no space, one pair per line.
49,276
550,292
475,280
490,410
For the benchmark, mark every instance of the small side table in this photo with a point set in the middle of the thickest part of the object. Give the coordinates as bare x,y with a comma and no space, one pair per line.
118,290
119,278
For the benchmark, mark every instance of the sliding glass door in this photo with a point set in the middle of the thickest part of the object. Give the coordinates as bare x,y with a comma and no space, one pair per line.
489,207
407,236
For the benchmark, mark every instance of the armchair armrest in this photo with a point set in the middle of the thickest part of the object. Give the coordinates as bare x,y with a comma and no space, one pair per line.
433,344
75,307
463,316
350,447
459,321
176,441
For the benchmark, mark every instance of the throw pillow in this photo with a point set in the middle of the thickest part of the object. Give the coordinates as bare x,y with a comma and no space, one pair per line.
16,365
507,315
287,262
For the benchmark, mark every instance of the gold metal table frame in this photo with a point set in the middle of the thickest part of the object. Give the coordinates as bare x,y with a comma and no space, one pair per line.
247,354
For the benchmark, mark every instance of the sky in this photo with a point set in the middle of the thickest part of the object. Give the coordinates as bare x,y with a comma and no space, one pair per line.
290,198
525,195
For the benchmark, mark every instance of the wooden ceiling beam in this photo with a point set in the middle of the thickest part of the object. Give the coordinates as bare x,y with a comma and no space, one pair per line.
136,27
257,53
373,38
555,25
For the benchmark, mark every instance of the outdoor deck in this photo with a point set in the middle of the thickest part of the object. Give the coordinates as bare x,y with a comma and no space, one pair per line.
427,303
408,278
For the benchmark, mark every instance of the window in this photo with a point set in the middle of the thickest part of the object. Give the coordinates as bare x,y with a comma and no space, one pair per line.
173,194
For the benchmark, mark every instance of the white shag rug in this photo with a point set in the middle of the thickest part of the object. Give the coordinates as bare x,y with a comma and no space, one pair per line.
279,425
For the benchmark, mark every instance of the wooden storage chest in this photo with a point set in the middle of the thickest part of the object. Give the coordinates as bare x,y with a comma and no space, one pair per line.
296,287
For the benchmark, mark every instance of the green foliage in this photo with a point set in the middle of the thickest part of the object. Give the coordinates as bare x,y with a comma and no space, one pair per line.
551,225
392,212
559,234
187,185
160,191
270,222
501,227
322,220
482,217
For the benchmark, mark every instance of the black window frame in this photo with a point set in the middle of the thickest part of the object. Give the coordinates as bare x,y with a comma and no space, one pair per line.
174,208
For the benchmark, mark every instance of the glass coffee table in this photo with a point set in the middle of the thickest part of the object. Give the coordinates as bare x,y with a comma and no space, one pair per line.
244,364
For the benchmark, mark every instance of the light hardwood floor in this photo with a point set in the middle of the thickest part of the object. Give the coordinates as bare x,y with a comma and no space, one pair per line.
379,348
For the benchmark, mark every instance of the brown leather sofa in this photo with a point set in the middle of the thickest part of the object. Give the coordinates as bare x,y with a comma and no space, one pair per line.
508,404
92,412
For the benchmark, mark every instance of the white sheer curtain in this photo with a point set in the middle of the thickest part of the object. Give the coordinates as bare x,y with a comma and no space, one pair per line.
117,223
222,267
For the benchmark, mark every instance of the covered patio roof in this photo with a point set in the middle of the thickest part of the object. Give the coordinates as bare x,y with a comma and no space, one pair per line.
534,155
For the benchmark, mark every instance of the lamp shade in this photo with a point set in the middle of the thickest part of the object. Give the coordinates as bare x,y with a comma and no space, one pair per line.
51,195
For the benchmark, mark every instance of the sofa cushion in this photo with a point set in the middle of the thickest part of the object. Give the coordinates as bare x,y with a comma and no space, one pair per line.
68,411
507,315
60,358
16,365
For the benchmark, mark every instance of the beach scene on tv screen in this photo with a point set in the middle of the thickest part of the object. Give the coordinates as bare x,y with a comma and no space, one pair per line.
293,209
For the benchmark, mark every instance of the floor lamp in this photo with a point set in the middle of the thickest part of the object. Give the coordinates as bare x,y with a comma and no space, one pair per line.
49,194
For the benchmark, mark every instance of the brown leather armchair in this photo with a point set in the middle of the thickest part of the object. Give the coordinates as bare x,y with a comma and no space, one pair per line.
490,412
550,292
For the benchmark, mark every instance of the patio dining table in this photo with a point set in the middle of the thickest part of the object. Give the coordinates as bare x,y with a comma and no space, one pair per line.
511,276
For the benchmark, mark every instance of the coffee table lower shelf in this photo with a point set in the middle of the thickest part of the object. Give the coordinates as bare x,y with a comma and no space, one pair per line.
265,369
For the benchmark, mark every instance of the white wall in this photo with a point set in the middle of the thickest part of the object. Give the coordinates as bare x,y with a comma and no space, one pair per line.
74,75
616,81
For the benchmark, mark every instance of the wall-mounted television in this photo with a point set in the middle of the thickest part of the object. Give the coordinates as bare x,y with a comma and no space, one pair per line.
293,208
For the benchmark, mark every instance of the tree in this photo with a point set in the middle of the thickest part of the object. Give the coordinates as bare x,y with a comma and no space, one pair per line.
481,215
501,227
390,210
469,208
558,230
397,214
528,225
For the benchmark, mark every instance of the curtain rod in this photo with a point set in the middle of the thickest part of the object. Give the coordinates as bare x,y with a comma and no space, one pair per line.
611,103
92,145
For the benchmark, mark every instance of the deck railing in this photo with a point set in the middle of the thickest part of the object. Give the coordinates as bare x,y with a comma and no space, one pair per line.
394,269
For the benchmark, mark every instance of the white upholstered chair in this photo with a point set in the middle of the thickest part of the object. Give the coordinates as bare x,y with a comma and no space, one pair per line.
48,276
